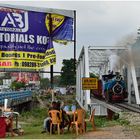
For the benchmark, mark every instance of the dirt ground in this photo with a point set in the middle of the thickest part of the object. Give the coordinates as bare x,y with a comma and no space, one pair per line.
113,132
130,131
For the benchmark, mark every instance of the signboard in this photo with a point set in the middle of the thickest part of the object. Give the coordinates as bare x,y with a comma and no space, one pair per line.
25,38
89,83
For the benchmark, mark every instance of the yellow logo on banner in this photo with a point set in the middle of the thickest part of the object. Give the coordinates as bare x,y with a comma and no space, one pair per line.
89,83
57,20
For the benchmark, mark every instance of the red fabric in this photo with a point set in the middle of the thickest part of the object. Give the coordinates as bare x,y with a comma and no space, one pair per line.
2,127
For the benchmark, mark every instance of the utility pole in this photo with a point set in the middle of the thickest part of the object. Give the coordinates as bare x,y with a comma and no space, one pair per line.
51,67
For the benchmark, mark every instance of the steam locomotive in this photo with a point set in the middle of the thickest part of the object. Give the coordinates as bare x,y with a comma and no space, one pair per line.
111,87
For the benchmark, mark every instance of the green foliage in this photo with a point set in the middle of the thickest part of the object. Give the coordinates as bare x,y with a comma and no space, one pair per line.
68,75
34,125
100,121
34,132
123,122
17,85
58,97
46,97
92,75
35,116
44,83
56,80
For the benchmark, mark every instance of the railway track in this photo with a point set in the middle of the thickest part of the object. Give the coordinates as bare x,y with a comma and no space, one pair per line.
124,106
128,107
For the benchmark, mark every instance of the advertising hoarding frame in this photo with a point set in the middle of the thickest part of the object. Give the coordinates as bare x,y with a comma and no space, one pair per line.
69,13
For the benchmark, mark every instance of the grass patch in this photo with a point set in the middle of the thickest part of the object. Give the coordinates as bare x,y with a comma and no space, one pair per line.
34,125
34,132
123,122
101,121
36,113
34,122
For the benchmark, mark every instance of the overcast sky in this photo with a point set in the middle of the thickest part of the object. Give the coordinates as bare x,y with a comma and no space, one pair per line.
98,22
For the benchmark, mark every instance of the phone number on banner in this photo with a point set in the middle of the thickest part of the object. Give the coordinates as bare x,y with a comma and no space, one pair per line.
28,64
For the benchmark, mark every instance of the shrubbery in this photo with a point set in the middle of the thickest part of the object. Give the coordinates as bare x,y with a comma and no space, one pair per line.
36,115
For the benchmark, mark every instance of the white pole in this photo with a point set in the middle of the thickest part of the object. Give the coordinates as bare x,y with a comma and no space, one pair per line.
5,103
133,72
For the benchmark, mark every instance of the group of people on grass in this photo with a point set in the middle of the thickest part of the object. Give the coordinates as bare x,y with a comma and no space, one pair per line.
65,120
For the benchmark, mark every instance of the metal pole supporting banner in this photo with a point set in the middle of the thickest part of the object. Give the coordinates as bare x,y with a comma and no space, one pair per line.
75,41
51,76
51,67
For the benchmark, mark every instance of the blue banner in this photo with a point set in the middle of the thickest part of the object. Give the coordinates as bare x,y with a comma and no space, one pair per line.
25,38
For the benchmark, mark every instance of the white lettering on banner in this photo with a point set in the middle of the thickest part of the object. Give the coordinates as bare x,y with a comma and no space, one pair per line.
42,40
18,21
8,20
23,38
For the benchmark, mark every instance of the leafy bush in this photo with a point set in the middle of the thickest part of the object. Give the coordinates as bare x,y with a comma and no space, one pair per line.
100,121
17,85
46,97
36,116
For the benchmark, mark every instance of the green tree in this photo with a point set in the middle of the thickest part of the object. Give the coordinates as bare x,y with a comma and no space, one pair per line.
56,80
17,85
68,76
44,83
